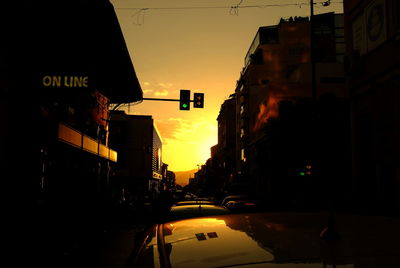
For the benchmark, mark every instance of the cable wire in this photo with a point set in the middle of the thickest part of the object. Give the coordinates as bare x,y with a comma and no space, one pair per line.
323,3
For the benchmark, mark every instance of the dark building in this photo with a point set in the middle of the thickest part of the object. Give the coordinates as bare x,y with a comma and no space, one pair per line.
373,72
282,132
139,166
62,65
225,156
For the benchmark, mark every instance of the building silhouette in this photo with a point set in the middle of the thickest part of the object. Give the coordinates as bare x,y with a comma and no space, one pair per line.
59,73
139,166
223,154
286,141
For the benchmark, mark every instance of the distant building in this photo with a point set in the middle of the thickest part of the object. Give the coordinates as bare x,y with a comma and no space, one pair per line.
373,72
137,139
168,179
224,156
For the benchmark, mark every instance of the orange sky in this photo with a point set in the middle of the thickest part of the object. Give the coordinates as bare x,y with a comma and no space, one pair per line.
198,49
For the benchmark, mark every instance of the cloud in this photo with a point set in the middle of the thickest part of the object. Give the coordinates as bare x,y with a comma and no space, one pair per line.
161,93
165,85
157,89
184,130
168,128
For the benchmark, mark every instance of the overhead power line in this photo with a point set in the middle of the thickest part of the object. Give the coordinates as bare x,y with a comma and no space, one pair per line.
140,12
324,3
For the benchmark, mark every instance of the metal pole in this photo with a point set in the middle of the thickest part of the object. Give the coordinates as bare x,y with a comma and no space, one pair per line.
158,99
329,232
312,54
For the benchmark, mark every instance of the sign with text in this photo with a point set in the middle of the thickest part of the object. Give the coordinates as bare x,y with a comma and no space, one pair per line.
375,21
369,28
65,81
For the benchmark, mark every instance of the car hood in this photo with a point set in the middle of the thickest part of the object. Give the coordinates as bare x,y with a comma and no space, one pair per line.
209,242
279,240
252,240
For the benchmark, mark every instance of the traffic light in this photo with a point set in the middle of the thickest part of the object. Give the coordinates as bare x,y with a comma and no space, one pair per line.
307,171
184,100
198,100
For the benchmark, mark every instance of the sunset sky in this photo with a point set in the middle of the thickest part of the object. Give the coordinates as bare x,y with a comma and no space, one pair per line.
175,47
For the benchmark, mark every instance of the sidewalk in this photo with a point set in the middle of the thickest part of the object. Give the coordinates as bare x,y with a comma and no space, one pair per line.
373,241
120,246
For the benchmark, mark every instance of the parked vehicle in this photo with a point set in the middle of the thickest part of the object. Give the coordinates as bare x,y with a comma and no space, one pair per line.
241,206
194,202
233,198
190,196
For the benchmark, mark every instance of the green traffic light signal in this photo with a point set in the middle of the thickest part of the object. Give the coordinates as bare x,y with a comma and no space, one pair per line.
184,100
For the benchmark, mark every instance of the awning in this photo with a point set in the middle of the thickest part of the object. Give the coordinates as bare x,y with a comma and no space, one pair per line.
75,38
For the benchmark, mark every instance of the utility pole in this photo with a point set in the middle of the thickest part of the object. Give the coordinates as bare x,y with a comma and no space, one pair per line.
312,54
329,232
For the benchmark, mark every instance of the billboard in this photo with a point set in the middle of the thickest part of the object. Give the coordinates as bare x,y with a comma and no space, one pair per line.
375,21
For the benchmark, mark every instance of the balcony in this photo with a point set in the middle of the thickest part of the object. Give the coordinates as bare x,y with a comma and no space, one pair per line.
264,35
79,140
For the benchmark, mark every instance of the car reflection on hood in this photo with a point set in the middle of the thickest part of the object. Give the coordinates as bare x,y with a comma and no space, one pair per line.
195,210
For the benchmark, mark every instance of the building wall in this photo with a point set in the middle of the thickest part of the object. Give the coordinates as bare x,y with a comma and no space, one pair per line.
56,186
221,166
373,71
277,135
139,146
157,151
273,59
227,124
132,137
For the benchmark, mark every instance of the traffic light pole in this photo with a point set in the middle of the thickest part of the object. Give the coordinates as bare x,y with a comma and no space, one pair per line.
157,99
184,100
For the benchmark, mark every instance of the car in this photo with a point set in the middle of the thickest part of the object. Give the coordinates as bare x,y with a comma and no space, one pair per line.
194,202
207,198
255,240
242,206
233,198
190,196
193,211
